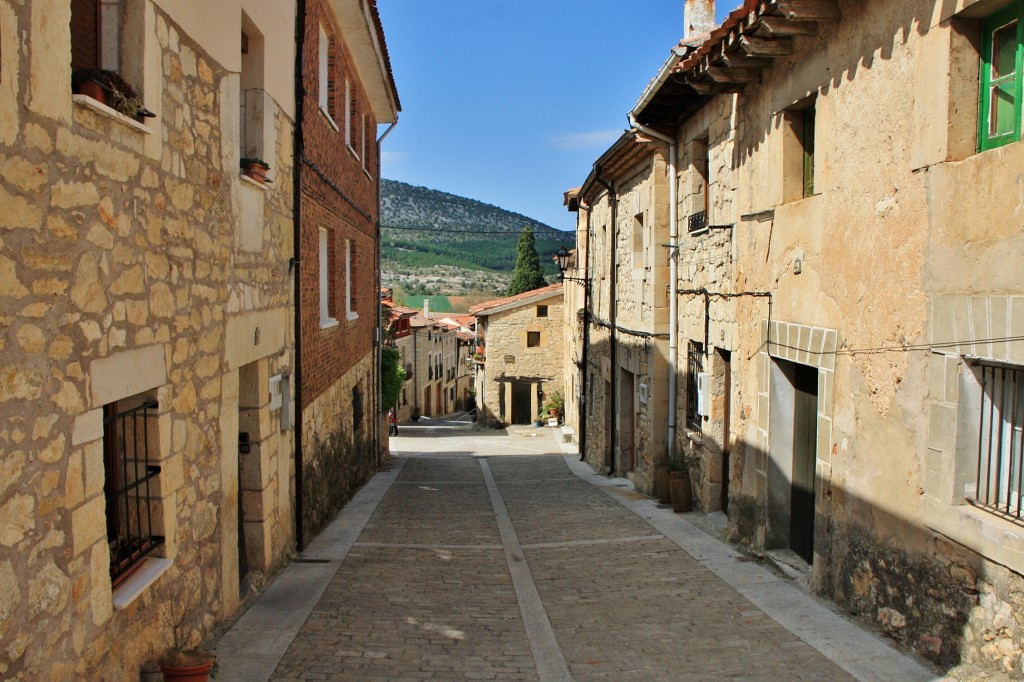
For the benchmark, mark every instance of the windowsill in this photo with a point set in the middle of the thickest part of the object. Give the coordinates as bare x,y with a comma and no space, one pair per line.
351,316
352,151
698,233
130,590
695,437
330,119
328,323
107,112
255,183
368,176
995,538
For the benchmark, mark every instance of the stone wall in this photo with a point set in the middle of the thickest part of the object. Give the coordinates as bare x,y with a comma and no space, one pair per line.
120,276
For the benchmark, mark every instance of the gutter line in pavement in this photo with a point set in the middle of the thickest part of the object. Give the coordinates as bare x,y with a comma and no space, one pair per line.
547,655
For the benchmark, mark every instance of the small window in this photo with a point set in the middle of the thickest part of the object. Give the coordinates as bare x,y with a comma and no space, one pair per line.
532,339
798,154
350,296
326,51
85,34
327,296
1001,64
700,166
542,311
638,241
694,366
350,109
1001,439
130,469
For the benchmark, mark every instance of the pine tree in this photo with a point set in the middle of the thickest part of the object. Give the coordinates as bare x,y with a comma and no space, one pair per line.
528,274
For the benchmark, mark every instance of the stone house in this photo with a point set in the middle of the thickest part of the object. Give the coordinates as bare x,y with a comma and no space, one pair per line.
146,446
521,339
351,91
848,353
429,355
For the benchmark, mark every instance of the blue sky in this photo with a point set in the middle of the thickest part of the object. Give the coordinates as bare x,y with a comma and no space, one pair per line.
511,101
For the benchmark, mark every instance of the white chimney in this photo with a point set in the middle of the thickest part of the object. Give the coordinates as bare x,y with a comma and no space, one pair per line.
426,307
698,17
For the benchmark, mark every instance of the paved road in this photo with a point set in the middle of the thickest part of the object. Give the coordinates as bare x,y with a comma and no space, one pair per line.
482,555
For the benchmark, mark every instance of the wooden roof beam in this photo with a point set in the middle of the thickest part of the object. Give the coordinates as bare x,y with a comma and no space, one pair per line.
740,59
734,75
763,47
780,26
810,10
712,88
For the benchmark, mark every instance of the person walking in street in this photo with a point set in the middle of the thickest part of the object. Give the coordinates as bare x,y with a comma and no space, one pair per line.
392,422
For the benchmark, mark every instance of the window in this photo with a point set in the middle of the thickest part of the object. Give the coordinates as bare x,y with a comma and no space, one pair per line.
326,50
1001,63
350,297
350,109
532,339
1001,439
362,141
252,95
85,34
129,431
799,132
327,295
700,166
638,241
542,311
694,366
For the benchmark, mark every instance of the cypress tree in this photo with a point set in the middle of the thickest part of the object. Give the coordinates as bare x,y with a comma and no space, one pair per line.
528,274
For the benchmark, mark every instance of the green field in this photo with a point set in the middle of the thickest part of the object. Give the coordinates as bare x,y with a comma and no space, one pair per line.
438,304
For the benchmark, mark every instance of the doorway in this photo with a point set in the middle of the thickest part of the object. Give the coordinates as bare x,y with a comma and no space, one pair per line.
627,422
521,403
725,362
792,445
248,471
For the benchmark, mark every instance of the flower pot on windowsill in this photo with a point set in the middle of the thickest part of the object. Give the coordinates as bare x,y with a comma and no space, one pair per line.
109,88
256,169
93,90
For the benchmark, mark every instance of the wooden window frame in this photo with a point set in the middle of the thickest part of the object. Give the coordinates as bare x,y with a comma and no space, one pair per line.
1007,15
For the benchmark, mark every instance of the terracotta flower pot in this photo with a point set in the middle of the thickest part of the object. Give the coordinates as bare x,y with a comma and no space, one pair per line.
93,90
187,667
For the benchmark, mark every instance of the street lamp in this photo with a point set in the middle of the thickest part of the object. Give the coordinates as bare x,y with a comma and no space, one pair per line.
561,259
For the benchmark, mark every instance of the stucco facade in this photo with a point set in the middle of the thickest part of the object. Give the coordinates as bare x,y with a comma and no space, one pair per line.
850,298
144,288
522,339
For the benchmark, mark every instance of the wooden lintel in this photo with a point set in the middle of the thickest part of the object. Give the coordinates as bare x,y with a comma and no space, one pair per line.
764,47
810,10
781,26
734,75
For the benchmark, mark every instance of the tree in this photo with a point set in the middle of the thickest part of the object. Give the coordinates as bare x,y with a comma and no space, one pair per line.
392,376
528,274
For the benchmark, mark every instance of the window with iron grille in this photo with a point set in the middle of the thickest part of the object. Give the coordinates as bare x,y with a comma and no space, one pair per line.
1000,439
694,366
129,466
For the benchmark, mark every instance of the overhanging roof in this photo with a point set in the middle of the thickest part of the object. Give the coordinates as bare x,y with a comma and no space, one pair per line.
364,35
731,56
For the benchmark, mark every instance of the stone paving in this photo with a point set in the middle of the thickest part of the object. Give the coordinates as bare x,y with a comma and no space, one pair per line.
528,566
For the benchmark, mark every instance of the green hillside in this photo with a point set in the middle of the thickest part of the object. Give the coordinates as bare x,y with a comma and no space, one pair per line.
466,245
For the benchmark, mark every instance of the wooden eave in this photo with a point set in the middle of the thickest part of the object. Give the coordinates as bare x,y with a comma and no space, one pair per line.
735,54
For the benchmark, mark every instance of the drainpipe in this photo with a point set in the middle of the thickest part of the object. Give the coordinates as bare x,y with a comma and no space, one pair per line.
297,151
673,238
613,200
582,405
377,332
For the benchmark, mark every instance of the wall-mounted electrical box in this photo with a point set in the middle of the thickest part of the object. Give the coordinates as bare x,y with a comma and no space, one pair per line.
280,398
703,394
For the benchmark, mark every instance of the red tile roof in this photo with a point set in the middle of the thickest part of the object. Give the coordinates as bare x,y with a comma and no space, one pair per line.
526,295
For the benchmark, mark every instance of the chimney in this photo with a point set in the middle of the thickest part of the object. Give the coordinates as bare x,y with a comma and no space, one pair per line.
698,18
426,307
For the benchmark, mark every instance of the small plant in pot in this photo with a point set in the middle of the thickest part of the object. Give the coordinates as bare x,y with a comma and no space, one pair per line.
182,662
255,168
108,87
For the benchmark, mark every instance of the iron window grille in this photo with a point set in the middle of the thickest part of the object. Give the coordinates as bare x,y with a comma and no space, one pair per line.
1001,440
694,366
697,221
129,471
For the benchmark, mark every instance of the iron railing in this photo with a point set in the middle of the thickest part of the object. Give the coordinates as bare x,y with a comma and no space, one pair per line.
1001,440
129,471
694,366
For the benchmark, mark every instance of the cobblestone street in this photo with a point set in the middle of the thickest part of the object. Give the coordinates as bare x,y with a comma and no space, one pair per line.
481,555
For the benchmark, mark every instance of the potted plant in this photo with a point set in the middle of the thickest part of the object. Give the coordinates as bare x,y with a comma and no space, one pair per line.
554,405
680,488
255,168
181,662
109,88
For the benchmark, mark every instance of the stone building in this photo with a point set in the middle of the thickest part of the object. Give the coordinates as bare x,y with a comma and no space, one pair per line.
429,354
146,446
848,351
522,349
351,91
